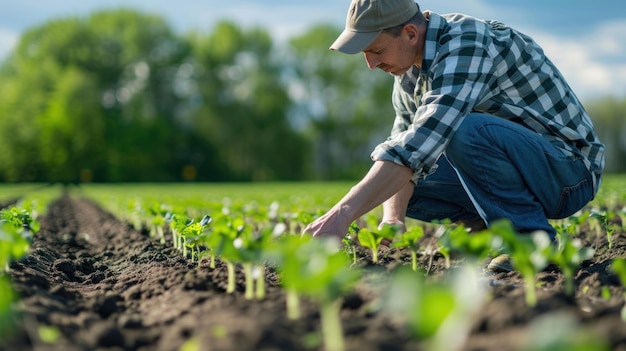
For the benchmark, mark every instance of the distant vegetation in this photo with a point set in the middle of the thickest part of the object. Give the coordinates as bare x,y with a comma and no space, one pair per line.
119,96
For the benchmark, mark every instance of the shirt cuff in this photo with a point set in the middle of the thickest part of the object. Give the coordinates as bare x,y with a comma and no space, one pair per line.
384,153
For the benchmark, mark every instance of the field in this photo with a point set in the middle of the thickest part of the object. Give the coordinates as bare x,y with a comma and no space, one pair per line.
100,275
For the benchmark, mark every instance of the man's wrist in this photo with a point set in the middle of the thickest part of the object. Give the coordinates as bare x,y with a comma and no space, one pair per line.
393,221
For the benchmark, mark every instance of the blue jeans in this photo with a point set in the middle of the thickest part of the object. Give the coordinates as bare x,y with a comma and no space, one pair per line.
494,169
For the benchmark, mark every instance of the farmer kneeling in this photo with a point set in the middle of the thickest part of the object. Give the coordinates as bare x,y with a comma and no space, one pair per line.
486,127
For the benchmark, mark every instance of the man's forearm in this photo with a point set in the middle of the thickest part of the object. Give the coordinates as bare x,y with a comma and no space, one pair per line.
384,180
394,209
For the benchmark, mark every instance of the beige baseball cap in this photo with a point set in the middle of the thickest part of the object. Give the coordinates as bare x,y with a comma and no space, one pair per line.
366,20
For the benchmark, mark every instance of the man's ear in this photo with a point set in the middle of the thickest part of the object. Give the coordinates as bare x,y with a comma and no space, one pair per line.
411,31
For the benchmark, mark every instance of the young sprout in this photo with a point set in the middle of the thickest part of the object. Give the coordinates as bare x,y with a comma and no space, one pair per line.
22,220
177,222
410,239
251,245
225,243
602,222
568,257
158,213
438,312
529,254
572,224
318,269
476,245
157,223
8,296
299,221
135,210
618,266
16,228
372,239
193,234
284,253
348,242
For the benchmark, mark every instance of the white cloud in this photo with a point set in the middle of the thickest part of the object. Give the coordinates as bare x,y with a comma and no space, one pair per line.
593,64
8,40
283,22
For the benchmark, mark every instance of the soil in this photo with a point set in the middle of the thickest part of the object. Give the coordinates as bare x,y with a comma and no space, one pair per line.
106,286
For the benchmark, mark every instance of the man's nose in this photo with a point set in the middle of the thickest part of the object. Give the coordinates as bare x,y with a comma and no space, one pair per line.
372,63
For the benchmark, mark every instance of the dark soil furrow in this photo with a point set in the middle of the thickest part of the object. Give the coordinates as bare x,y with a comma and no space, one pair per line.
106,286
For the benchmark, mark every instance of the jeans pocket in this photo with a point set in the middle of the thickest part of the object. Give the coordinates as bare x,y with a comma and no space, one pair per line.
573,198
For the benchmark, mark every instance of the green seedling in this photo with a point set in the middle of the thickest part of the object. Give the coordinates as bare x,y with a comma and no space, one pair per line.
12,245
299,221
251,245
223,241
14,241
529,254
192,234
318,269
618,266
571,225
439,312
410,239
372,239
596,217
7,297
177,222
234,241
348,241
285,254
569,255
158,213
476,245
134,213
22,220
602,223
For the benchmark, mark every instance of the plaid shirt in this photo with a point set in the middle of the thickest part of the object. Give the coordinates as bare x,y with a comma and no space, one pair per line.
472,65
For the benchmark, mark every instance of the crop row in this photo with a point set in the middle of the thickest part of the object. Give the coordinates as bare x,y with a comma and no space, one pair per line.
257,237
17,227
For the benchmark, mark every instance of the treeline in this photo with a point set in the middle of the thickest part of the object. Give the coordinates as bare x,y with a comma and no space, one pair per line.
119,96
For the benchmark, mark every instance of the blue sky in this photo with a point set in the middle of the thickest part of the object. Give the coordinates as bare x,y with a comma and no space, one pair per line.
586,39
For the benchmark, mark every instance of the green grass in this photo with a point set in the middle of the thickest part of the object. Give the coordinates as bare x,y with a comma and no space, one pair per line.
305,195
35,196
314,193
612,192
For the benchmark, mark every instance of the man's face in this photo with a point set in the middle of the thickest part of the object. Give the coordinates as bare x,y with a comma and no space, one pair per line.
394,55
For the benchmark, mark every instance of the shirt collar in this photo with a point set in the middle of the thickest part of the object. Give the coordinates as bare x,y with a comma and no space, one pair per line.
436,26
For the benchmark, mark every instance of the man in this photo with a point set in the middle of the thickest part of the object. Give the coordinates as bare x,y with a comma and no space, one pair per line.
486,127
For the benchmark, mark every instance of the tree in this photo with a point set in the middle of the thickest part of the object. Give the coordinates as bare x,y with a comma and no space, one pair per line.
345,107
91,97
244,104
608,116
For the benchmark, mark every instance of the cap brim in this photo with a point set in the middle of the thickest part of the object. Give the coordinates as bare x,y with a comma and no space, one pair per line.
350,42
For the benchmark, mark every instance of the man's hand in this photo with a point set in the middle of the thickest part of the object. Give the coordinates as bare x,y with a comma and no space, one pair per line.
383,180
333,223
